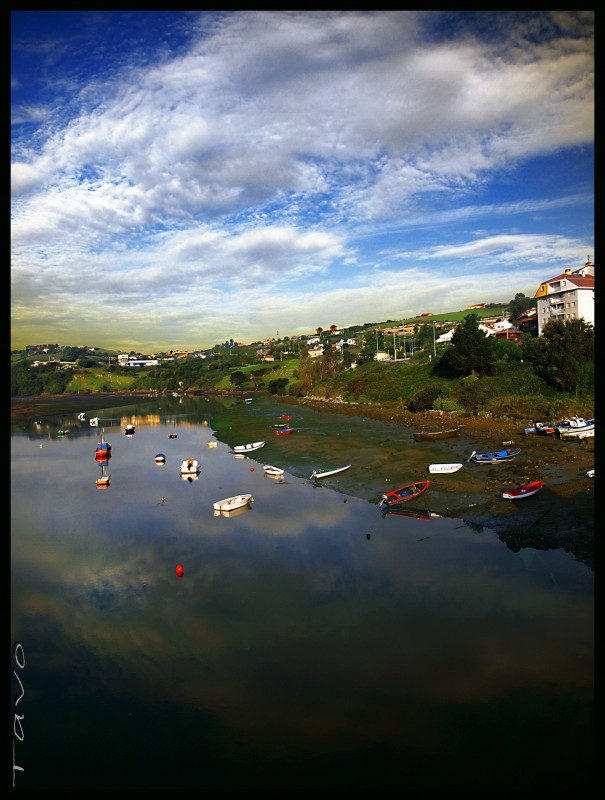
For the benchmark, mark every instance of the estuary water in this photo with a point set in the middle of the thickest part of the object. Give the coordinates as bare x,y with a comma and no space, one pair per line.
310,643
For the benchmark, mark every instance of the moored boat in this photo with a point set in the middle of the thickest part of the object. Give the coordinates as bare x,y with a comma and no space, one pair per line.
190,466
273,471
428,436
316,475
160,458
280,425
233,503
405,493
94,422
103,451
285,431
129,429
527,490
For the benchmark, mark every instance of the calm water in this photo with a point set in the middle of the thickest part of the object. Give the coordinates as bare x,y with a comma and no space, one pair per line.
310,642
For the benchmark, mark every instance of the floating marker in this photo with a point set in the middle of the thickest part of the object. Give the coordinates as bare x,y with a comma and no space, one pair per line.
179,571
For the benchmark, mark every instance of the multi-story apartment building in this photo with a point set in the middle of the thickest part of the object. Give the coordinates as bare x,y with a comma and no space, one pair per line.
567,296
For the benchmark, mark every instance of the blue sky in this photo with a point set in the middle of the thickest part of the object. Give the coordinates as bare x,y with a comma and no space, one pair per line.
182,178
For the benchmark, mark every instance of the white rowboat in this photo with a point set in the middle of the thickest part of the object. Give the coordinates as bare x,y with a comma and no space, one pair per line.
444,468
316,475
269,470
231,503
246,448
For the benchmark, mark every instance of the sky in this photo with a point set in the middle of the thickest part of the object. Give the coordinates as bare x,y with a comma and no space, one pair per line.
180,179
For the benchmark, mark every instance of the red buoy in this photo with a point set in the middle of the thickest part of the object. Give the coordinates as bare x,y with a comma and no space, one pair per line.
179,571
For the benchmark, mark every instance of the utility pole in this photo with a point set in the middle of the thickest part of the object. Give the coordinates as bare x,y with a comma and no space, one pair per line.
434,343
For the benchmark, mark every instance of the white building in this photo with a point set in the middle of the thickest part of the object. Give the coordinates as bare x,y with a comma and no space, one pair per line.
567,296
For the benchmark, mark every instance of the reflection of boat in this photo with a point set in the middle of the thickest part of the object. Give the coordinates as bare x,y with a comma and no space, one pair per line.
495,457
160,458
172,435
105,479
444,468
523,491
245,448
274,471
94,422
428,436
405,493
190,466
233,503
211,444
103,452
190,476
316,475
129,429
234,513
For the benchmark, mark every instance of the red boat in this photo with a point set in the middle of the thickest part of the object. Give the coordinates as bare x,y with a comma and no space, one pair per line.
523,491
285,430
286,416
103,452
405,493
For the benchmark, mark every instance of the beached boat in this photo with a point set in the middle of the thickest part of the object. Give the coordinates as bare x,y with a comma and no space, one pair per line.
316,475
429,436
572,427
573,434
527,490
232,503
247,448
444,469
160,458
273,471
494,457
190,466
590,473
280,425
285,431
405,493
285,416
103,451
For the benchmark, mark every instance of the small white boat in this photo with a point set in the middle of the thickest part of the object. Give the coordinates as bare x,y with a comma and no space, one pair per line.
326,474
444,468
94,422
572,433
190,466
275,471
231,503
590,473
129,429
82,416
247,448
160,458
211,444
574,426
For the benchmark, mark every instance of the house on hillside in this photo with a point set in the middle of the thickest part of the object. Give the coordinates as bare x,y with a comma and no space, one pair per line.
567,296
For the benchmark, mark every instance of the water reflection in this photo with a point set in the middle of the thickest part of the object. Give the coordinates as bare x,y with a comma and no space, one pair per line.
311,643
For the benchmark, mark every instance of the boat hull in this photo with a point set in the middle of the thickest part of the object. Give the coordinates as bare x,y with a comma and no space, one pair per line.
444,469
327,473
429,436
248,448
405,493
233,503
521,492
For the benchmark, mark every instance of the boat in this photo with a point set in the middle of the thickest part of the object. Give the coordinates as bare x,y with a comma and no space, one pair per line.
327,473
105,479
527,490
160,458
543,428
273,471
129,430
575,434
247,400
172,435
285,431
63,433
444,469
411,513
429,436
405,493
590,473
103,451
190,466
573,426
82,416
285,416
279,425
247,448
94,422
211,444
232,503
494,457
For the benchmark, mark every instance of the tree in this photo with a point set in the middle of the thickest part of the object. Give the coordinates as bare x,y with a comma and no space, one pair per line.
319,331
519,305
237,378
471,349
568,350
